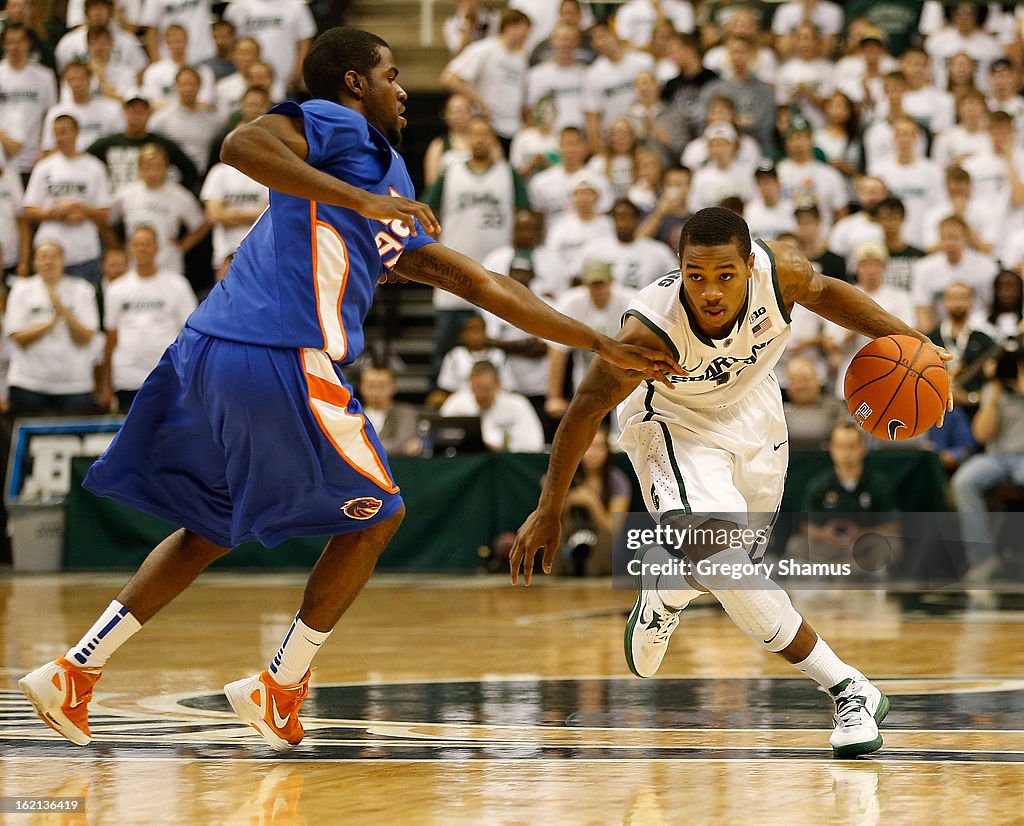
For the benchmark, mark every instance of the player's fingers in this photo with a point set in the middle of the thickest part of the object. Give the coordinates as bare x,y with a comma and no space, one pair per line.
528,565
549,557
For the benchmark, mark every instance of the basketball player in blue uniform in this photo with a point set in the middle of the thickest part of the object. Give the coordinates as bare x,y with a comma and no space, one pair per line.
710,448
247,430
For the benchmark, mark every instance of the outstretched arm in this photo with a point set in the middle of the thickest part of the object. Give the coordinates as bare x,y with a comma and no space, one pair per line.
840,302
439,266
602,389
272,150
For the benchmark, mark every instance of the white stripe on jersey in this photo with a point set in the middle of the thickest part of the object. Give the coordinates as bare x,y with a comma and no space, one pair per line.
345,430
330,269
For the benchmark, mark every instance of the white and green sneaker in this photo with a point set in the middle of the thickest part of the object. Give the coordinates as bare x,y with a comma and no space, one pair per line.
860,707
650,624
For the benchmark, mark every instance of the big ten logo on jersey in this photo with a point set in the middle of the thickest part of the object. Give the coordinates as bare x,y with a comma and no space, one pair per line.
670,279
391,240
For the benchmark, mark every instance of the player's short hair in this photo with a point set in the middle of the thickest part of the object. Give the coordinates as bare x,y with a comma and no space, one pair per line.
713,227
336,52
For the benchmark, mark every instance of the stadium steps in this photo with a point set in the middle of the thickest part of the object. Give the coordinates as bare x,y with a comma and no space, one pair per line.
398,22
400,332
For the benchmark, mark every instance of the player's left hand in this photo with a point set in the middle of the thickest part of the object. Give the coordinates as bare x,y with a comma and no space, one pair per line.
541,530
653,364
387,208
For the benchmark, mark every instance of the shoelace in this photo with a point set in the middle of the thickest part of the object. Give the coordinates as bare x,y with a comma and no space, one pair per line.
84,682
295,697
849,708
667,622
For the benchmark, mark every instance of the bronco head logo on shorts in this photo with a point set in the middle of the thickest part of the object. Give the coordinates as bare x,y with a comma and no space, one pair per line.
365,507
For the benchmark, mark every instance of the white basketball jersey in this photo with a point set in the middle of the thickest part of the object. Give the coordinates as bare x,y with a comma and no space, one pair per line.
719,371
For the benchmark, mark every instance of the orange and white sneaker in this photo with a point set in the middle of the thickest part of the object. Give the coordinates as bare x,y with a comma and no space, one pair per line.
271,709
60,692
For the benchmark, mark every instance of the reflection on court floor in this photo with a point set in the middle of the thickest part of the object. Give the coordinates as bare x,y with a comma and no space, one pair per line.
500,706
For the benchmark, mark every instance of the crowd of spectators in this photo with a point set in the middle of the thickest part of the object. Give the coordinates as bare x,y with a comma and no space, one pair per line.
111,119
885,140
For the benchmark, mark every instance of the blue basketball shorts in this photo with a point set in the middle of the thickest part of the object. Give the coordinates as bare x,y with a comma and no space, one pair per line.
237,442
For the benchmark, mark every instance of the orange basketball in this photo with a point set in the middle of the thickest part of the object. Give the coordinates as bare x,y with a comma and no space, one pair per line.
896,387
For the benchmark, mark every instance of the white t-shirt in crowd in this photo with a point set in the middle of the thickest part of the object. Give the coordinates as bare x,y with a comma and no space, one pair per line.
564,84
510,424
769,222
933,273
147,314
815,182
192,129
577,303
97,118
459,361
498,76
11,197
956,144
166,209
53,363
550,190
918,185
850,232
234,189
194,16
570,238
711,185
82,178
635,19
26,95
608,87
278,26
159,83
636,264
827,17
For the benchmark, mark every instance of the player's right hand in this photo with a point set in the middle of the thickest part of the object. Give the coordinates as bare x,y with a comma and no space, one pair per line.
542,530
387,208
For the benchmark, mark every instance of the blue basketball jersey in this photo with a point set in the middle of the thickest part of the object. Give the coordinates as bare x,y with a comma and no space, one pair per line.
305,275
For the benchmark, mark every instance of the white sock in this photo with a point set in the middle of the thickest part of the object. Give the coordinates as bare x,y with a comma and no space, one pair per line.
112,630
679,597
292,660
824,667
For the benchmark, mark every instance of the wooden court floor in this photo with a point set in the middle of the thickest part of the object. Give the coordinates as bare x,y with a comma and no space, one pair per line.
464,701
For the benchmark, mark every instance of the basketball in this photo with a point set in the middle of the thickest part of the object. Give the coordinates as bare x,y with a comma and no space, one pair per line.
896,387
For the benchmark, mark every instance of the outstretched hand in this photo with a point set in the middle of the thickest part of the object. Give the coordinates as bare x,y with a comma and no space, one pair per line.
388,208
540,531
652,364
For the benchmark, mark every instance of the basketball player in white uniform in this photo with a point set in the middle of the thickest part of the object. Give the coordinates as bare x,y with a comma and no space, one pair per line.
711,450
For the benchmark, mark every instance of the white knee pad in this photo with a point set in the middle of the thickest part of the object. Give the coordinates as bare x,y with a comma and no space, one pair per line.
758,606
